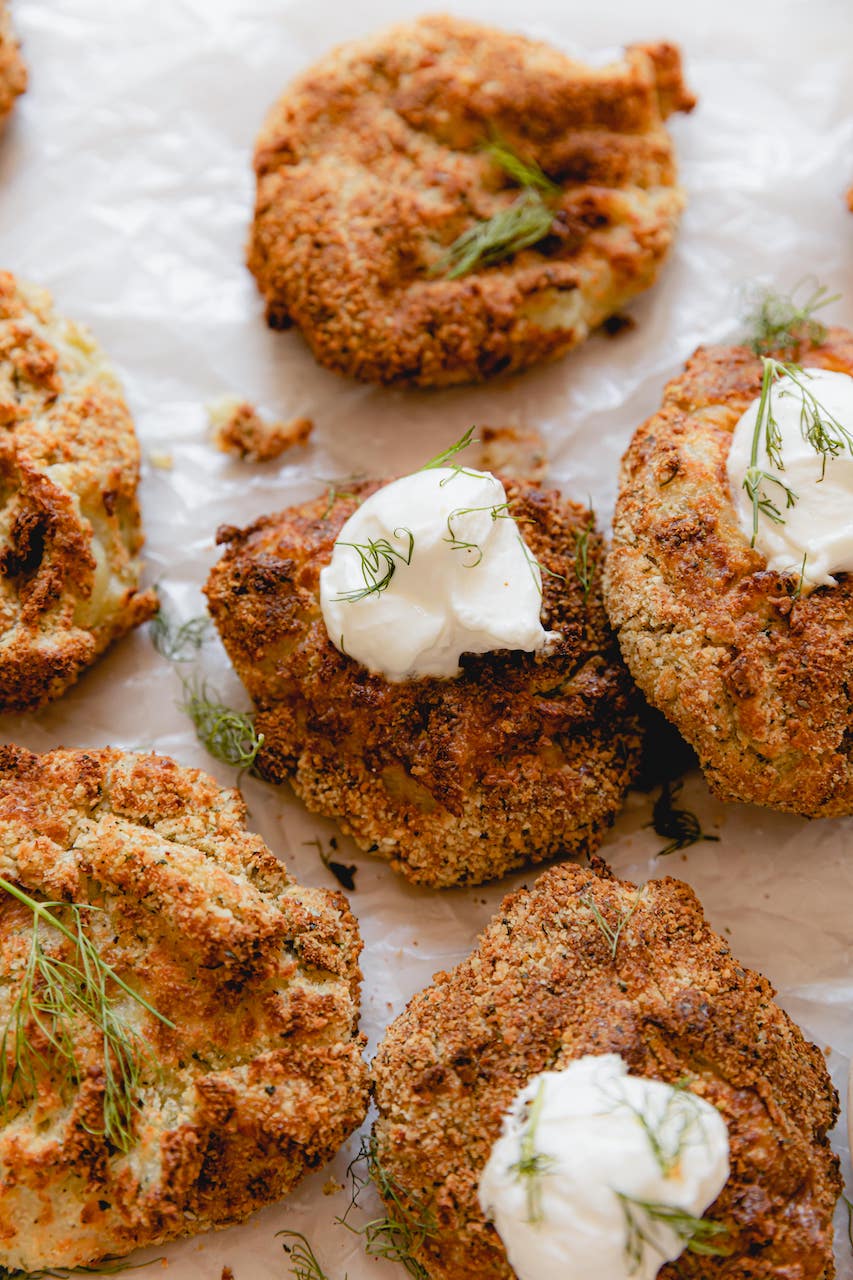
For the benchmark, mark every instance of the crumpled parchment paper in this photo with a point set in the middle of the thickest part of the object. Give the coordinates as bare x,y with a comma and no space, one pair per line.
126,187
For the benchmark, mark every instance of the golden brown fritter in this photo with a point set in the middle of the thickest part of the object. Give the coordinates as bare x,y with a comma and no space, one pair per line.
542,989
519,758
69,518
261,1078
372,164
755,679
13,73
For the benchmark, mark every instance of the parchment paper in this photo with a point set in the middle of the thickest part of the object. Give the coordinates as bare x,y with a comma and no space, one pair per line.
125,186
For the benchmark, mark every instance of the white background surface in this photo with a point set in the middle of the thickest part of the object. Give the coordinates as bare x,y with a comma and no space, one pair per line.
126,187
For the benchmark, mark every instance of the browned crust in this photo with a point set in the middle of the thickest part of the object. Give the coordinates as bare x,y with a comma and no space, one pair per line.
542,989
69,517
262,1079
371,164
13,72
518,759
756,680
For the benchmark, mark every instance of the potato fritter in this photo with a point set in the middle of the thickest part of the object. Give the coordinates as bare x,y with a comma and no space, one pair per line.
542,989
522,757
373,163
754,676
69,517
13,72
261,1078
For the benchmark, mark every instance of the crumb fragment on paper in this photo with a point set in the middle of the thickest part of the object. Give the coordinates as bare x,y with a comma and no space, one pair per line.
331,1187
161,460
239,428
513,452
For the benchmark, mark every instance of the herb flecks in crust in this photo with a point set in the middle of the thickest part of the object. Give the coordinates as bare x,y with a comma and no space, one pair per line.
522,757
542,989
751,670
443,201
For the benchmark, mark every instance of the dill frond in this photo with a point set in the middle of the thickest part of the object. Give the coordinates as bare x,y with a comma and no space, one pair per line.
500,511
523,223
54,997
584,569
228,735
612,935
696,1235
378,562
778,322
398,1236
303,1259
109,1266
525,172
178,643
666,1131
443,458
345,875
533,1165
679,826
848,1204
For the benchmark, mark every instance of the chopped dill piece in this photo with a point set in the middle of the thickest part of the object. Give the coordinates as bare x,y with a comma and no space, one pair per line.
398,1236
377,559
666,1131
499,511
332,495
109,1266
178,643
304,1261
697,1235
849,1207
54,996
227,734
533,1165
584,568
345,875
612,935
778,322
525,172
523,223
679,826
443,458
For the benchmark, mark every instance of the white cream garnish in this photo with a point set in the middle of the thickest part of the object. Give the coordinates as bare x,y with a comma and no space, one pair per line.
430,567
819,523
587,1152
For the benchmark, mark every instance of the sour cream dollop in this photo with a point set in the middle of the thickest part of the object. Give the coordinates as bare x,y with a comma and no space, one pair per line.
603,1143
456,574
819,524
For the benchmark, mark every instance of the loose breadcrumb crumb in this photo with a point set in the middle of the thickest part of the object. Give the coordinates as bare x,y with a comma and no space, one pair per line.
162,461
514,452
239,428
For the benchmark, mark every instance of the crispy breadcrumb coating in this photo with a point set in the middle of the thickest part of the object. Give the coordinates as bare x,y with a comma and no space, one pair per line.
262,1078
522,757
542,989
373,163
69,517
756,679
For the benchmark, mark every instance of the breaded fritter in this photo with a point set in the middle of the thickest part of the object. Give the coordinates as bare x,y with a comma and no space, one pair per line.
13,73
541,989
261,1078
754,675
69,517
520,758
373,163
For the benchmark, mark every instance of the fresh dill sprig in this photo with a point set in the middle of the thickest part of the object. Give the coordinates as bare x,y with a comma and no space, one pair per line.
57,994
178,643
679,826
849,1206
498,511
304,1261
584,568
228,735
778,322
532,1165
523,223
666,1130
378,561
398,1236
526,173
696,1235
443,458
345,875
612,935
